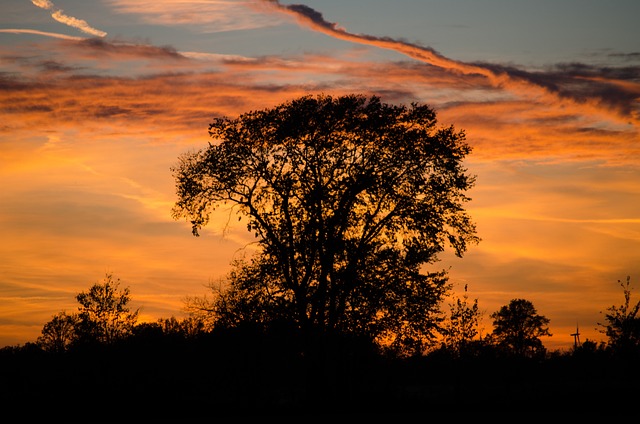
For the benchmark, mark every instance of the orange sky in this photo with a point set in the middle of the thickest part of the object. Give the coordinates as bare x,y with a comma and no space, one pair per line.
91,126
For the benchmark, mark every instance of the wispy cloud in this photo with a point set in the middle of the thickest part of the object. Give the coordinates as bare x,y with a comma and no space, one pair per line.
121,50
208,16
44,4
58,15
499,124
77,23
517,81
217,57
44,33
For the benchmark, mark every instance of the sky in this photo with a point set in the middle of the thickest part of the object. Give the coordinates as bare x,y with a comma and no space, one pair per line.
98,100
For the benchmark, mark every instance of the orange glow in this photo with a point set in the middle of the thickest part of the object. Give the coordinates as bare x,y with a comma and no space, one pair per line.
90,128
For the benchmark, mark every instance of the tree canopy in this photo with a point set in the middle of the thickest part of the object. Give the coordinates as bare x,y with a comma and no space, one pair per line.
518,328
59,333
349,198
461,327
622,325
104,315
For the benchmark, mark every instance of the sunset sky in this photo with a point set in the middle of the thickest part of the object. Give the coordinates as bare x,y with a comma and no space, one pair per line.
98,99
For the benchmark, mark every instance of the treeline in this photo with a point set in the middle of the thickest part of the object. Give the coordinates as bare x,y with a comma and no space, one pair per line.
100,361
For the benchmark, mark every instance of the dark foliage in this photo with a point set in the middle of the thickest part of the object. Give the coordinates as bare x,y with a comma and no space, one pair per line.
238,372
349,199
518,328
622,324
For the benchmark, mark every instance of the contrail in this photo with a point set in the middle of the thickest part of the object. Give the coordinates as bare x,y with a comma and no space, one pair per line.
59,16
44,33
499,77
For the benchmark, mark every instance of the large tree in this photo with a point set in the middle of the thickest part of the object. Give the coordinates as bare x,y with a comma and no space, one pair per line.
349,198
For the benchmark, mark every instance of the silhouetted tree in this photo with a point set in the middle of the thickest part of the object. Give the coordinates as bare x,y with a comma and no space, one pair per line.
167,331
461,327
589,348
59,333
104,315
250,296
622,325
518,328
188,327
348,198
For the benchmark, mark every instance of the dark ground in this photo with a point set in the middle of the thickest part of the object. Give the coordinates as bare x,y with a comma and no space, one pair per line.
189,381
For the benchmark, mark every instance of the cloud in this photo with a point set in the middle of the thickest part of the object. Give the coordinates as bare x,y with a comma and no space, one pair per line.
99,47
217,57
140,88
44,33
77,23
315,20
59,16
634,56
44,4
571,110
517,81
210,16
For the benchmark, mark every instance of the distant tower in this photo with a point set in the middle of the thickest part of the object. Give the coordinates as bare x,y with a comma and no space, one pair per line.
576,337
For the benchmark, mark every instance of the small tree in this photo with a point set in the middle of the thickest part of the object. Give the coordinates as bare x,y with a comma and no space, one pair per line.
622,325
59,333
461,327
104,315
518,328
